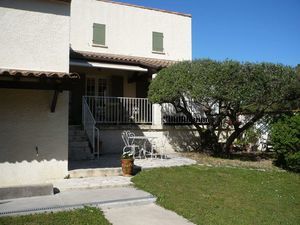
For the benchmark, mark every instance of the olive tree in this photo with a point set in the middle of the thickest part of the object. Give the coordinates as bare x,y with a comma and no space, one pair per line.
248,89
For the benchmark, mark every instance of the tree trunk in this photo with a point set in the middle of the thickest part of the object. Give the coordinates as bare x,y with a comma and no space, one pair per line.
239,131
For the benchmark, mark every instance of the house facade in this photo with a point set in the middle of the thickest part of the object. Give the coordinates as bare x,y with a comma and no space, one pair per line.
86,63
117,49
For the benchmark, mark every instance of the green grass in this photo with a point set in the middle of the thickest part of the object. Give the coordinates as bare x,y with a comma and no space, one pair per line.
85,216
219,195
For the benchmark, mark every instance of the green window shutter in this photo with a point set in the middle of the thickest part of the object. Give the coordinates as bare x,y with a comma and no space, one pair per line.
157,42
99,34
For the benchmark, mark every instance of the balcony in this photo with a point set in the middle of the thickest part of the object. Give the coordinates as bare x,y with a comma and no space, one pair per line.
120,110
125,110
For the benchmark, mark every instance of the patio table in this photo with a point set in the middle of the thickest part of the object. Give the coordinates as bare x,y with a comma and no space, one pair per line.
143,140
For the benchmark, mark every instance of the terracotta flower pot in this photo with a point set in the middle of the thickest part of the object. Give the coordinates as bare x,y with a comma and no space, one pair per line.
127,167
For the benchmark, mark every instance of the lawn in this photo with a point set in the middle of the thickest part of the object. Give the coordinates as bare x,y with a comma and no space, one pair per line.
85,216
227,196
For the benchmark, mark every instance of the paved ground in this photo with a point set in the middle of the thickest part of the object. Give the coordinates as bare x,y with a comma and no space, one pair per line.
171,160
105,197
150,214
113,161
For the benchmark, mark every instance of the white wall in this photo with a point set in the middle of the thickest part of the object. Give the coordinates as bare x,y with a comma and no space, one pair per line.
26,122
168,140
129,30
34,35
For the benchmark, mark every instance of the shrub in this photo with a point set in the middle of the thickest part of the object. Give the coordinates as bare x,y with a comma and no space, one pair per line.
285,138
293,161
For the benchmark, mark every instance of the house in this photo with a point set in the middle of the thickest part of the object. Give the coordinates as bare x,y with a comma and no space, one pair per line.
86,63
117,48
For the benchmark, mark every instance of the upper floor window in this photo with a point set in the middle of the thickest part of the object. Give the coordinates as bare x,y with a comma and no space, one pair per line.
99,34
157,42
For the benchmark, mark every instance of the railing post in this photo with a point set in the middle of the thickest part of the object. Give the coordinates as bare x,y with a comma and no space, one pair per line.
83,113
156,113
157,116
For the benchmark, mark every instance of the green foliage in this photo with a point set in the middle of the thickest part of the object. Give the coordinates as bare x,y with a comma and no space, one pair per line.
237,88
127,155
250,136
293,161
285,138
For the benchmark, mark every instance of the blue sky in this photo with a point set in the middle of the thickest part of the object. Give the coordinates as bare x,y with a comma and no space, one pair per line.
244,30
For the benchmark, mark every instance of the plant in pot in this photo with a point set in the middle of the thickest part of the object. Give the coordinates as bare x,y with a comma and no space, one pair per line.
127,161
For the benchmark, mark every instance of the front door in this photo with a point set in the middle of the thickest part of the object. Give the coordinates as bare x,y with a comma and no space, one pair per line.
97,88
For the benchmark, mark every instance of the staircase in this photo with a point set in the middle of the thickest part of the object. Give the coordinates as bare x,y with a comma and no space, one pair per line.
79,148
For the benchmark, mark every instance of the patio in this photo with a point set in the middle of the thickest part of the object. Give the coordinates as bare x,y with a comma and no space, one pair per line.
106,172
109,164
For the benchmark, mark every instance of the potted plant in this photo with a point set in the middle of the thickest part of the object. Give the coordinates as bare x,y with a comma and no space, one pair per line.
127,161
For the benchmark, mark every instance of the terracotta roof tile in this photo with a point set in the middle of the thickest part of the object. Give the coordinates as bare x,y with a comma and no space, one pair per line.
124,59
42,74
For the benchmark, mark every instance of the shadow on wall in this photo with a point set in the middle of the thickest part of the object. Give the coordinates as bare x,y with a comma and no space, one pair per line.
28,129
183,140
15,147
111,135
49,7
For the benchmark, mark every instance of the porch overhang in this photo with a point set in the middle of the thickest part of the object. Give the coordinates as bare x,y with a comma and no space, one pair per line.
43,80
17,73
84,63
151,64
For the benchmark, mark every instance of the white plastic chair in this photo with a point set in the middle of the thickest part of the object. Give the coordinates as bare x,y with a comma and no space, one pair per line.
129,142
159,148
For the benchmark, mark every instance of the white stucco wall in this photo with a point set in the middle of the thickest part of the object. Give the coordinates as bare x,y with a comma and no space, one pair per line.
26,122
34,35
168,140
129,30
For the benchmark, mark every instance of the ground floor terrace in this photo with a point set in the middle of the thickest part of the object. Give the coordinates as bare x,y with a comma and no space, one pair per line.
52,121
111,96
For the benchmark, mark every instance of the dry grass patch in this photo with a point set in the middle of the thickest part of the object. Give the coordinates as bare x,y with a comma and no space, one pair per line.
261,161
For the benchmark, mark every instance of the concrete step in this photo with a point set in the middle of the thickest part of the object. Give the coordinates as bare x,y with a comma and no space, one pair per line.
103,197
76,132
75,138
78,144
75,127
92,183
98,172
25,191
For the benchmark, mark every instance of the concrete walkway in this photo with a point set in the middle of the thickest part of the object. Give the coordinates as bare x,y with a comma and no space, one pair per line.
150,214
105,197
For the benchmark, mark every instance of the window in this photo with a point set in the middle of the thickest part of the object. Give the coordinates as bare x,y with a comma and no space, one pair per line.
157,42
97,86
99,34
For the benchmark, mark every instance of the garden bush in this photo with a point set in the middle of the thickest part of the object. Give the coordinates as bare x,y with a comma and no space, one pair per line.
285,138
